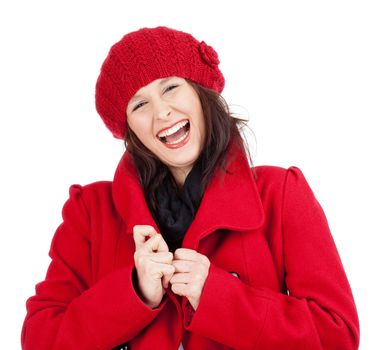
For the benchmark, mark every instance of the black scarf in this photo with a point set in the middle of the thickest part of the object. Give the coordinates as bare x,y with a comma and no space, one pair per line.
177,207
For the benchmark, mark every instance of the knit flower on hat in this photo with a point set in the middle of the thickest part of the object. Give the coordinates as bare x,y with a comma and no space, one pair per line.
208,54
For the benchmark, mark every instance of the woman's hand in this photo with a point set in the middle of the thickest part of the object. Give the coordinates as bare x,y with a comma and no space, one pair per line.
153,263
191,271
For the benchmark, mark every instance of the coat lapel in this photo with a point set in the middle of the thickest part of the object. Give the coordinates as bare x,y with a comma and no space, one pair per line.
128,195
231,200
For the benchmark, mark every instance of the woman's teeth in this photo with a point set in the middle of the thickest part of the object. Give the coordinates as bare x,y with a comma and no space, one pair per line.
175,134
173,129
178,140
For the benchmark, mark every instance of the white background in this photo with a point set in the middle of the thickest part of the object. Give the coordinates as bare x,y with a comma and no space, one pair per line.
301,71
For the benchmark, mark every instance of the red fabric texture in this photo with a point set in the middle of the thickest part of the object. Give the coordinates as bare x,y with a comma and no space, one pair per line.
276,280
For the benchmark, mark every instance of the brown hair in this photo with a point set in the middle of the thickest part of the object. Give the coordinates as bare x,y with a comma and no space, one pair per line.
221,127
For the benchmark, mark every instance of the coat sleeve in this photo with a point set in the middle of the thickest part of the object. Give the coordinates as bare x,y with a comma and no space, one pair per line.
68,311
318,313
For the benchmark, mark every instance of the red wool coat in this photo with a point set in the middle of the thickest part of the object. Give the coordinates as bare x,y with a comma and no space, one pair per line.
275,280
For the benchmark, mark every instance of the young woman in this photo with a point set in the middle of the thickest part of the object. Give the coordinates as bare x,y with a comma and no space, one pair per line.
190,246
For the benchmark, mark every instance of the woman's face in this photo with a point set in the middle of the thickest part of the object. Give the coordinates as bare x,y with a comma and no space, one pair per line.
166,115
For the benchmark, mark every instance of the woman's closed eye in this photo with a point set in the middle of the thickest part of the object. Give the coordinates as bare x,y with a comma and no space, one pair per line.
138,106
169,88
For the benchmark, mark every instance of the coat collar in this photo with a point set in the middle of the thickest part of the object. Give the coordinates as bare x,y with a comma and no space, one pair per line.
231,200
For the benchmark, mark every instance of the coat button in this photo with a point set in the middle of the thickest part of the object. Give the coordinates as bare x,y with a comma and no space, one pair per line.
235,274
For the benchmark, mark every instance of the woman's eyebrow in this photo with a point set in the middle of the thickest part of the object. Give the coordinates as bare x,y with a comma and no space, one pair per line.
165,80
134,97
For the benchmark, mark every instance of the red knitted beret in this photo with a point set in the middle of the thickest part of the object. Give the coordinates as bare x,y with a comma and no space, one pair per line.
143,56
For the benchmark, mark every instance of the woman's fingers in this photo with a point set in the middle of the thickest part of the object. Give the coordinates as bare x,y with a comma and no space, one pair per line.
147,238
141,234
156,244
162,257
157,271
151,250
167,277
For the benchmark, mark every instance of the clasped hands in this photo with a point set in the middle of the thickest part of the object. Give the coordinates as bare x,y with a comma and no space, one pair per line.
186,270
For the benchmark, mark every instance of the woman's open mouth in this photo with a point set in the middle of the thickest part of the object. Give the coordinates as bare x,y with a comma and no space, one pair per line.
176,136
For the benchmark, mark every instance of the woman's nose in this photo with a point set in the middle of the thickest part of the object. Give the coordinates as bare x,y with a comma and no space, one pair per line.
162,110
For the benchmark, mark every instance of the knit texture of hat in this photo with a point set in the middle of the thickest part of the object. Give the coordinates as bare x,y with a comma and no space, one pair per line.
143,56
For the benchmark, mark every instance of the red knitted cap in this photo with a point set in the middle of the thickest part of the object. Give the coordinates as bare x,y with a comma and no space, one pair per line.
143,56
